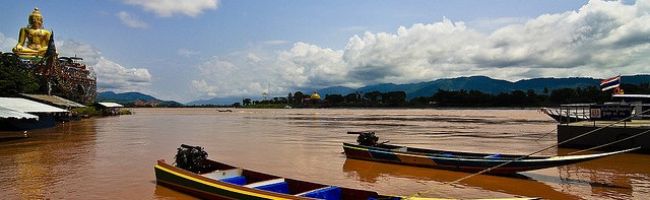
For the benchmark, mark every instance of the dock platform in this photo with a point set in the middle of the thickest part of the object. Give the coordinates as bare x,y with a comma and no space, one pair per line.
605,135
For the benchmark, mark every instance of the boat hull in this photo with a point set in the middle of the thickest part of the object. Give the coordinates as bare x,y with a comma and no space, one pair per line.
206,188
564,118
461,161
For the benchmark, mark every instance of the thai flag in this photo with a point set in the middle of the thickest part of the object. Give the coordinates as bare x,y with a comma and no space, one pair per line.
610,83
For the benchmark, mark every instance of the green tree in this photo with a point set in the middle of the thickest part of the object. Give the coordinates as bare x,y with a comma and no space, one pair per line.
290,98
564,95
373,97
15,77
352,98
394,99
246,102
334,99
421,101
297,97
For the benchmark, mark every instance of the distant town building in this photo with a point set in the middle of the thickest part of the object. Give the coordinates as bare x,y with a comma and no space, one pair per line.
109,108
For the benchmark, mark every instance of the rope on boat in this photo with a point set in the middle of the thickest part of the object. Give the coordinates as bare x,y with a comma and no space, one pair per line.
546,134
614,142
543,149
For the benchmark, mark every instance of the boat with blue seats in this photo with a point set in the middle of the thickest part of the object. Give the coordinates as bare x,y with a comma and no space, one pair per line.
198,176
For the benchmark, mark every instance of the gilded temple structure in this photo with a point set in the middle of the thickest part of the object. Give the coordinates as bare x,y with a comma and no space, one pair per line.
61,76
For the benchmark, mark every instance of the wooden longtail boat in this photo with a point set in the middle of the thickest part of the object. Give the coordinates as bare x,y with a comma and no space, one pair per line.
222,181
456,160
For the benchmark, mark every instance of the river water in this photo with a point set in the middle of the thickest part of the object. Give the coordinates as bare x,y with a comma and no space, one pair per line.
113,157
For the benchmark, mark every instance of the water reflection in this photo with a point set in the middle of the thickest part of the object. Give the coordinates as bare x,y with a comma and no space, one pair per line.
372,171
162,192
33,167
617,177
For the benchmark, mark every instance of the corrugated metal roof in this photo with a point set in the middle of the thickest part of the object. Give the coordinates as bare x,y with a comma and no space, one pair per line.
27,106
54,100
6,113
110,104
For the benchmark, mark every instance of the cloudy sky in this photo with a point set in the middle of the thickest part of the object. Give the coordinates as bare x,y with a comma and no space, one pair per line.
200,49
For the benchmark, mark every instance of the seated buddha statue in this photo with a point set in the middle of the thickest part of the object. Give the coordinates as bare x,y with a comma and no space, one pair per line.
33,39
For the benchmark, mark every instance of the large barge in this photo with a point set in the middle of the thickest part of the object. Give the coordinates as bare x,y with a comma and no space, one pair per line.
623,123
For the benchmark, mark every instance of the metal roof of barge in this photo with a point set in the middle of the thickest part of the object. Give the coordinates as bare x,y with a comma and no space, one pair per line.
28,106
6,113
54,100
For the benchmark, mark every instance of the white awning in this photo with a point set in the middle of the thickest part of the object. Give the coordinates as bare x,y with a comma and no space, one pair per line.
28,106
110,104
6,113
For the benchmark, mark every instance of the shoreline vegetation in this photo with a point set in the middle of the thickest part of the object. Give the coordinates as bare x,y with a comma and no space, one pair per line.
93,111
442,99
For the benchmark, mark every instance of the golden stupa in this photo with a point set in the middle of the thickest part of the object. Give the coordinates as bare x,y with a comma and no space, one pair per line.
314,96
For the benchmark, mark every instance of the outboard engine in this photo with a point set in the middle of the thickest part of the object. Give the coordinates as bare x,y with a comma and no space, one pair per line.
366,138
192,158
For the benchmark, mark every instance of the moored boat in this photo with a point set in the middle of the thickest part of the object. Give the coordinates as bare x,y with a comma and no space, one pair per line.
208,179
566,115
369,149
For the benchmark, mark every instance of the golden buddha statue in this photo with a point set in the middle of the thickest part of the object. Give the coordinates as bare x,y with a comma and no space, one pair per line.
33,39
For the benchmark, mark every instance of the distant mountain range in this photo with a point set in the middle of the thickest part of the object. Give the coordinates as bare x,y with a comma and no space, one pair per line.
135,99
480,83
220,101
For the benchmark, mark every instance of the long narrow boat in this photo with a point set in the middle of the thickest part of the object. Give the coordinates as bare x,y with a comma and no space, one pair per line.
215,180
456,160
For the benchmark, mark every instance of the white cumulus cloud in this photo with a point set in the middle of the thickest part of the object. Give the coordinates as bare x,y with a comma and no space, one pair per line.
601,39
309,65
115,77
234,75
7,43
187,52
204,88
131,20
276,42
110,75
167,8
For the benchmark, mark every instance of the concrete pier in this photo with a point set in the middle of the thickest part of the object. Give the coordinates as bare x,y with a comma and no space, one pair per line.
605,135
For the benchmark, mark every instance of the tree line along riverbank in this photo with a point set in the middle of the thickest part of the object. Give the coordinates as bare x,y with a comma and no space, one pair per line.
446,98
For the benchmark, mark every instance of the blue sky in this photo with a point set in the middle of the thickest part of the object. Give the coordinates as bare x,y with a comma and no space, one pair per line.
199,49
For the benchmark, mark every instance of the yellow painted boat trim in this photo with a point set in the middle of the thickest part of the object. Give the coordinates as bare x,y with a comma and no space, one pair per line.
357,148
219,186
279,198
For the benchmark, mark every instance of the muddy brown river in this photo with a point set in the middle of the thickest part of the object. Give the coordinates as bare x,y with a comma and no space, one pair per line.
113,157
